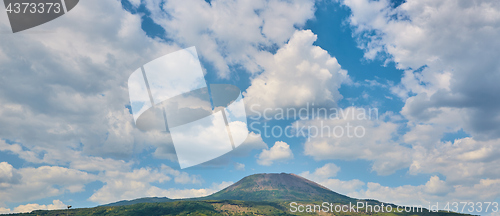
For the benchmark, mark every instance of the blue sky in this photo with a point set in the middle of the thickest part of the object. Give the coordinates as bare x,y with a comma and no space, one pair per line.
67,135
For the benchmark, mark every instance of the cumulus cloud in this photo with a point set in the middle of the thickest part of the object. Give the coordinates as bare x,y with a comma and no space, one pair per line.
138,183
181,177
463,161
342,187
324,176
279,152
448,52
66,87
437,186
8,175
27,184
435,190
56,204
78,159
444,71
188,193
299,73
63,103
325,172
239,166
253,143
354,133
229,33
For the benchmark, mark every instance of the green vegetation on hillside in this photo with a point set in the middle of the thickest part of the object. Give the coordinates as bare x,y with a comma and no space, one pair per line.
208,207
175,208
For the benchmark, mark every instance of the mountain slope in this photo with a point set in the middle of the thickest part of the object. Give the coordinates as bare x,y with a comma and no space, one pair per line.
260,187
140,200
278,187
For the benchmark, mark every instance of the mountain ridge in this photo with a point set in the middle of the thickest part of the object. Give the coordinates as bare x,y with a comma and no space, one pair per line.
262,187
277,187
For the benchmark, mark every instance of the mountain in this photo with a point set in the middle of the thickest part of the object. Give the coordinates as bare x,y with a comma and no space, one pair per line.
278,187
263,187
259,194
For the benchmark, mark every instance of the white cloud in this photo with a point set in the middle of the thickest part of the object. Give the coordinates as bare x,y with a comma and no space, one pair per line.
77,160
279,152
324,176
239,166
402,195
135,3
354,133
4,210
187,193
66,87
252,143
299,73
325,172
56,204
464,161
8,175
181,177
229,33
138,183
342,187
435,190
449,53
27,184
437,186
469,166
